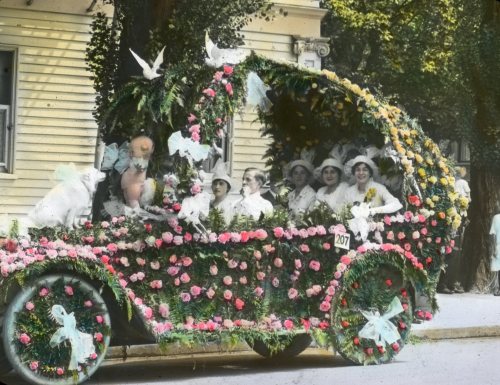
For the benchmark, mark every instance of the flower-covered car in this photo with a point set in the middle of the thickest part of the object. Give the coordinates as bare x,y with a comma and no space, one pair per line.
277,284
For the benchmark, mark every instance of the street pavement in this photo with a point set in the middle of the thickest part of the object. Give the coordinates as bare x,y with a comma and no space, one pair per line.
458,347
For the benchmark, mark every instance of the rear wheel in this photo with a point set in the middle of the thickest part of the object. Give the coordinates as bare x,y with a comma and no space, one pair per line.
56,331
282,347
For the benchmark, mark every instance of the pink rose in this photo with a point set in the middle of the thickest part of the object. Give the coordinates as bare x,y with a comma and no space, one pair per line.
260,275
345,259
34,365
29,306
278,262
167,237
210,293
288,324
292,293
140,261
191,118
228,70
164,310
415,235
24,339
213,270
68,290
257,254
228,294
195,189
155,265
258,291
186,261
172,259
218,76
185,297
195,290
239,304
275,282
229,89
99,319
304,248
298,264
314,265
112,248
60,371
93,356
185,278
423,231
88,303
227,280
209,92
326,246
390,235
278,232
156,284
232,264
325,306
147,312
243,265
260,234
401,235
243,280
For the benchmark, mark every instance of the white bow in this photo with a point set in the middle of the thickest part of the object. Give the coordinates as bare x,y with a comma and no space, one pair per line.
187,147
256,92
359,224
195,207
82,345
380,328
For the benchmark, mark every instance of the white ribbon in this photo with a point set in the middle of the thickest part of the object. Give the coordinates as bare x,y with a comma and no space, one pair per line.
194,208
359,224
82,344
380,328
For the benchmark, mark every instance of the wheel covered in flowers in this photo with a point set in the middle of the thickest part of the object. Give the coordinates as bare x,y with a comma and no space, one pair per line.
372,314
56,330
285,346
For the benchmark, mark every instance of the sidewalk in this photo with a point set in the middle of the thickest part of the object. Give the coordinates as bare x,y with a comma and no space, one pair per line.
460,316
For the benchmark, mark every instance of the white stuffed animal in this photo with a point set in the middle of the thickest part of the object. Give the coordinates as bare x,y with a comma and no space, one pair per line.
68,200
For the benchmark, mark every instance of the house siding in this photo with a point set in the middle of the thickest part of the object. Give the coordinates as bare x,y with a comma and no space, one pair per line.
54,100
274,40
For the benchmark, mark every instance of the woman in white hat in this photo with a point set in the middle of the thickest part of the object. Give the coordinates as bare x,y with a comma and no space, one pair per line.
333,191
364,170
221,185
301,199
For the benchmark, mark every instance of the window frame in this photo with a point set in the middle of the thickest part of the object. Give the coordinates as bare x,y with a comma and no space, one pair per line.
7,166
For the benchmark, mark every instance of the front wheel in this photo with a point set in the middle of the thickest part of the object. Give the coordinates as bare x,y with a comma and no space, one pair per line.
372,316
56,331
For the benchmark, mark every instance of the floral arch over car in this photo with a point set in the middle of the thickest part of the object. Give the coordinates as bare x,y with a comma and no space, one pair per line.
268,282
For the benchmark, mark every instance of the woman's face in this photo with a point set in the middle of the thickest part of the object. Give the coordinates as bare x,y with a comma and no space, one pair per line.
362,173
300,176
330,176
219,188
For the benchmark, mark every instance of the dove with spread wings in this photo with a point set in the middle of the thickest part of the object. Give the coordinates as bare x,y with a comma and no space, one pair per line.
219,56
149,72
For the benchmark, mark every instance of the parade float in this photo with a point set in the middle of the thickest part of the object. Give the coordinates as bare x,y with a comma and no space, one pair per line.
67,294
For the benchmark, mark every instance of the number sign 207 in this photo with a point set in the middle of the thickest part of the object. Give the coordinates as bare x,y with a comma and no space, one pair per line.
342,241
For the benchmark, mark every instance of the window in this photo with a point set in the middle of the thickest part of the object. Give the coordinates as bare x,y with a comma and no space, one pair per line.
7,97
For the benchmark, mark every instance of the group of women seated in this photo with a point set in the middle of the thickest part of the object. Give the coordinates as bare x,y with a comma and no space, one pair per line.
335,192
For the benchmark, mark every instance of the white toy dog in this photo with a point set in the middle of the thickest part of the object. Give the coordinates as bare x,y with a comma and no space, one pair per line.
67,201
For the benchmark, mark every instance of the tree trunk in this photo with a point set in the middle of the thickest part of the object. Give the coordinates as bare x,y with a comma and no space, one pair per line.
477,248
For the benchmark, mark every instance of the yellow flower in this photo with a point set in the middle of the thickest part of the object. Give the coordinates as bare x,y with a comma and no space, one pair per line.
457,220
409,142
443,181
419,158
429,161
453,196
429,202
414,132
410,154
432,179
421,172
423,185
464,202
435,198
393,130
452,211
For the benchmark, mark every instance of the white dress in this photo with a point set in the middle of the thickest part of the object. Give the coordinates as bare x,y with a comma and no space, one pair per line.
336,199
382,203
495,230
253,206
225,207
301,202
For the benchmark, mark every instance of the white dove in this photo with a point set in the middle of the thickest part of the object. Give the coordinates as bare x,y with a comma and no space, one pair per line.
150,73
219,56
